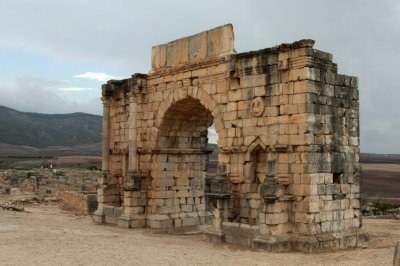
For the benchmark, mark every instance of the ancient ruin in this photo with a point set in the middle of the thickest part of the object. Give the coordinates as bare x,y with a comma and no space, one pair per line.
288,138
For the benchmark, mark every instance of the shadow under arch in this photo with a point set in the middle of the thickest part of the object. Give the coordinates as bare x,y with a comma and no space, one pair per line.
180,96
180,156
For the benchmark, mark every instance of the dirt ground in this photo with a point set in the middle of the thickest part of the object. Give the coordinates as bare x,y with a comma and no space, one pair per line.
47,235
381,182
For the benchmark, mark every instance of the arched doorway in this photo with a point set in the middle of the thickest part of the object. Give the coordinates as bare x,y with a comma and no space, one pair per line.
176,195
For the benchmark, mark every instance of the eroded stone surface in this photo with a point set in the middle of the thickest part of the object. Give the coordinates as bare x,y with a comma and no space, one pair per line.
288,129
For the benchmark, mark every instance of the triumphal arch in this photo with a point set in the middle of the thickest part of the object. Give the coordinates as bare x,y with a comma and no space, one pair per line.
288,138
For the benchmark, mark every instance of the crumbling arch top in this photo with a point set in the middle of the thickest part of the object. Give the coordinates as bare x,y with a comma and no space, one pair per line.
196,93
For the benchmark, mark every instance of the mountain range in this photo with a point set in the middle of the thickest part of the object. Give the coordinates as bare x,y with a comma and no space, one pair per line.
44,130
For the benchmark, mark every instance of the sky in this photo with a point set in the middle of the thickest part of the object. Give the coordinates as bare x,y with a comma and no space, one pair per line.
55,54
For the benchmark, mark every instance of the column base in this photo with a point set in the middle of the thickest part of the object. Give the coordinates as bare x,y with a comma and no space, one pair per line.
245,235
271,243
99,217
330,241
103,179
131,221
211,235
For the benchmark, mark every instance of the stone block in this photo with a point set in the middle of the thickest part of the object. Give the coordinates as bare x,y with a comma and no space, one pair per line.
301,189
326,216
313,207
332,189
215,42
355,203
349,214
276,218
235,95
131,201
186,208
220,41
259,91
254,203
134,210
274,207
345,188
159,222
160,194
253,81
301,217
200,207
277,229
326,226
189,221
328,178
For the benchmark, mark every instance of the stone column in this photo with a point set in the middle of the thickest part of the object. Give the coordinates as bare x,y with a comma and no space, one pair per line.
218,216
133,212
220,195
106,136
132,135
132,180
98,215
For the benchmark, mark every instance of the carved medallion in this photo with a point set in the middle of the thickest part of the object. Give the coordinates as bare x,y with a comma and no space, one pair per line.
257,106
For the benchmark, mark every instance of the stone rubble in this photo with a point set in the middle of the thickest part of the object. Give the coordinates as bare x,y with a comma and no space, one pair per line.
75,189
11,206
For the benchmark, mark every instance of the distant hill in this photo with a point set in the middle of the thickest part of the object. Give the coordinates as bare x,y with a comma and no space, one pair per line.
43,130
380,158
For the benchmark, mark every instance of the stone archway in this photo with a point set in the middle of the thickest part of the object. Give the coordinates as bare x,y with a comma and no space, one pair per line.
193,93
287,124
176,193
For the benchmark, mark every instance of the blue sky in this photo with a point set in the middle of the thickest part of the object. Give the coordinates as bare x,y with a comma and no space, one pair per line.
55,54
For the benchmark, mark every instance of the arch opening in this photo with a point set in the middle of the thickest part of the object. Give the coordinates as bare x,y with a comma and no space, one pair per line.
185,126
178,178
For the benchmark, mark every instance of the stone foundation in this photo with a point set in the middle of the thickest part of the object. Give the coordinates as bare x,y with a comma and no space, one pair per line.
245,235
116,215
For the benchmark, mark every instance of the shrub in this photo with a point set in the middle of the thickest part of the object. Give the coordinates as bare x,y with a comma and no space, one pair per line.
384,206
92,167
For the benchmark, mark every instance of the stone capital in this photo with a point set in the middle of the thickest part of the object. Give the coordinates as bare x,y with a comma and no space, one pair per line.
105,100
132,97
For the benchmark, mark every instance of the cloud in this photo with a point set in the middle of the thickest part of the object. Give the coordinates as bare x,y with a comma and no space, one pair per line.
32,94
103,77
74,89
362,35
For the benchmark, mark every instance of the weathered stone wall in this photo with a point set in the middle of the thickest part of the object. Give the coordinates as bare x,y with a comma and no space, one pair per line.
76,188
288,142
74,201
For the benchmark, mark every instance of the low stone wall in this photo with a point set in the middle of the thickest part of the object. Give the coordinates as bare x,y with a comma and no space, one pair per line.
83,203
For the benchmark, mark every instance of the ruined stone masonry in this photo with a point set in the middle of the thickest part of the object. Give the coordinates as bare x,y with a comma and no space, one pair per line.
288,127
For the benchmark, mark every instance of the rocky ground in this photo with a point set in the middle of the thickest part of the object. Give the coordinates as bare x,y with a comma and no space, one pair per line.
46,181
34,230
43,234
